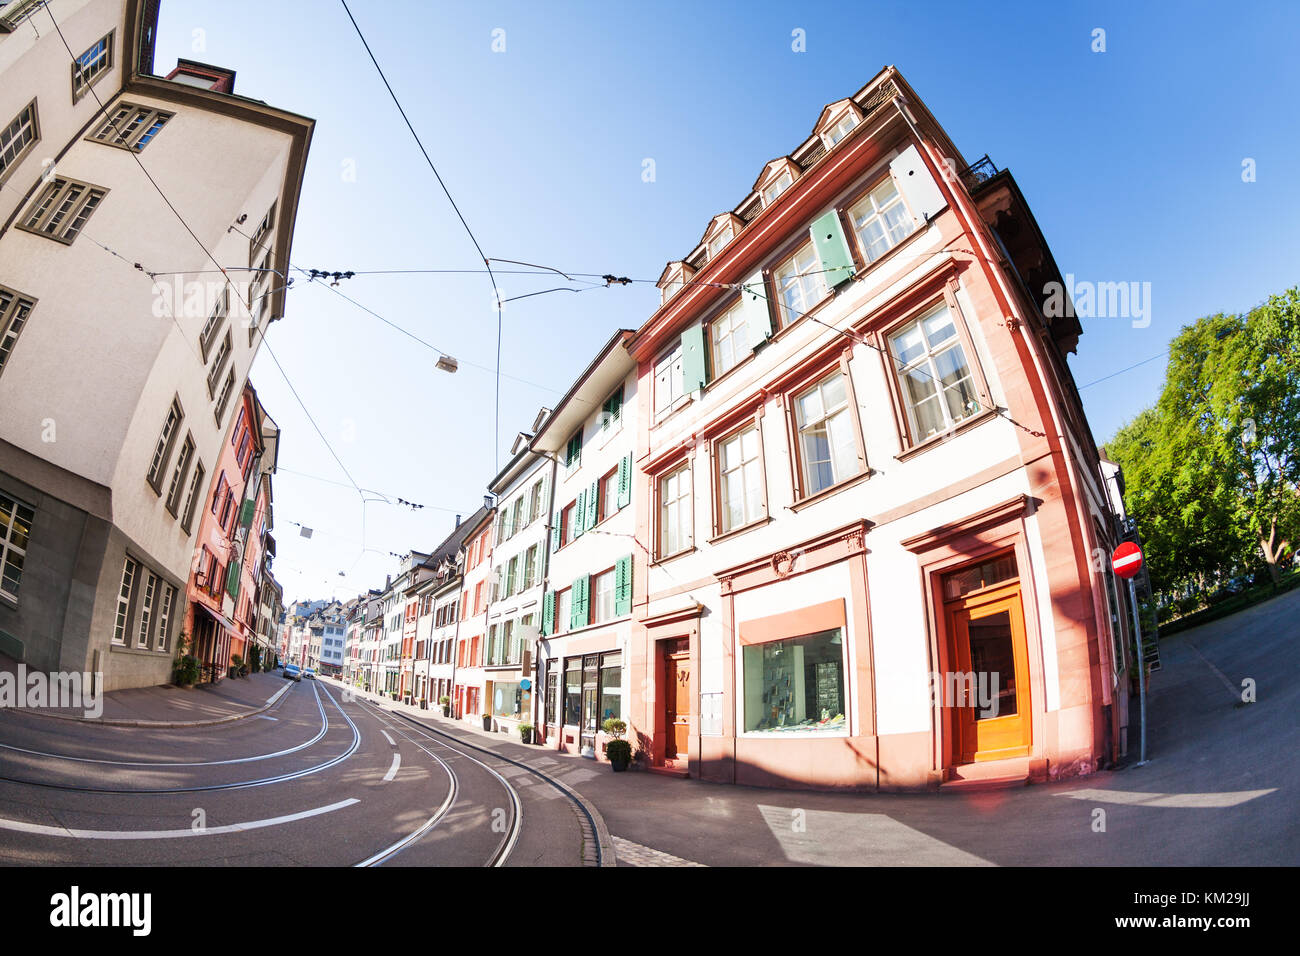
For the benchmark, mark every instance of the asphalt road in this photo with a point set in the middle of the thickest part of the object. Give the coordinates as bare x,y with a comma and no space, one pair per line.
315,780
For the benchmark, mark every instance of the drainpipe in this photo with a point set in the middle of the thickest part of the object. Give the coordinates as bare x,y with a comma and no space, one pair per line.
539,693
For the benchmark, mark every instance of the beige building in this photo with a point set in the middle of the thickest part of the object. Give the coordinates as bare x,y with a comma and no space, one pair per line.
117,386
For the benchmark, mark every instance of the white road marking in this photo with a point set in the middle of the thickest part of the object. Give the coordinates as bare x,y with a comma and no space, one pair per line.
43,830
264,717
392,771
1228,798
391,741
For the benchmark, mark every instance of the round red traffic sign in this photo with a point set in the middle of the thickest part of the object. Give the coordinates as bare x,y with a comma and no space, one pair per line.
1127,560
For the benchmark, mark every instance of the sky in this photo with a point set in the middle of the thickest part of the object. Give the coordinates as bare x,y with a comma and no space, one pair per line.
1166,159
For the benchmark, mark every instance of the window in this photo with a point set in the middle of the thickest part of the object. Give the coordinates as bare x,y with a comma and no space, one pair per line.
219,365
530,568
177,486
741,497
17,138
14,309
800,284
563,610
675,511
608,496
938,384
517,521
535,505
566,523
603,605
880,220
795,686
224,397
263,229
573,691
611,410
129,571
131,126
192,498
730,336
146,609
214,324
668,381
91,65
164,618
719,242
62,209
573,453
841,129
511,576
827,449
15,529
611,686
163,451
776,187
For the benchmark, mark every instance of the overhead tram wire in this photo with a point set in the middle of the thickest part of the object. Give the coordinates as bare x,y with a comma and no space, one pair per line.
496,292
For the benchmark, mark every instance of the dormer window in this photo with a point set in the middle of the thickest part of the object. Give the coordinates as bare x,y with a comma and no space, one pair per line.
719,242
777,186
841,129
836,121
673,280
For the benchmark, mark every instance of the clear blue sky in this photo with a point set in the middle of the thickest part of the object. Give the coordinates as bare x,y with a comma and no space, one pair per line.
1131,160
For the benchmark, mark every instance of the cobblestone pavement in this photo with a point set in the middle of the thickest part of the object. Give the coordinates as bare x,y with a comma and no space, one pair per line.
634,854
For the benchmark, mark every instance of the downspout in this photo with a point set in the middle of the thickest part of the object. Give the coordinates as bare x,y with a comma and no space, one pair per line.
539,696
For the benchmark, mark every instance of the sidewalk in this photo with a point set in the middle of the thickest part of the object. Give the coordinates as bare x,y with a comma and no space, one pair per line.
169,706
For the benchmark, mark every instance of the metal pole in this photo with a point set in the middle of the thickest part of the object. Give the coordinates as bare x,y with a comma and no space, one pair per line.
1142,677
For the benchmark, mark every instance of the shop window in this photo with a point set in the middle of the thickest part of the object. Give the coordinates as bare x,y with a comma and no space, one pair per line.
795,686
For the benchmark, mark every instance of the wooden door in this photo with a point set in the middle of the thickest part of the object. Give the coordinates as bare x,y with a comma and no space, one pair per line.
988,642
677,702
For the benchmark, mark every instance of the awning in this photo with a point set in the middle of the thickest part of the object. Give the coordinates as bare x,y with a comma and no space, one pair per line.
217,616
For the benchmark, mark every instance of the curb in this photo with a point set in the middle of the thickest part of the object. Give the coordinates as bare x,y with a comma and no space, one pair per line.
166,724
608,854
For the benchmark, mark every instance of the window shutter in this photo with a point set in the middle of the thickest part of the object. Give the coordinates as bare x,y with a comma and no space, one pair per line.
593,500
232,580
625,480
833,249
694,372
555,532
580,514
758,317
623,586
246,519
917,185
578,603
548,612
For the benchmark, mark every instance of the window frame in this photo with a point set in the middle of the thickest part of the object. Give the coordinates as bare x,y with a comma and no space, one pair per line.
142,126
719,526
733,313
8,167
812,379
907,440
192,497
856,199
14,316
162,455
607,504
176,487
672,357
593,611
688,496
215,324
7,547
125,610
52,201
224,398
84,77
784,318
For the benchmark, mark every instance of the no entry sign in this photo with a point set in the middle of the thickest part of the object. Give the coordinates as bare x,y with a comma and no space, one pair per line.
1127,560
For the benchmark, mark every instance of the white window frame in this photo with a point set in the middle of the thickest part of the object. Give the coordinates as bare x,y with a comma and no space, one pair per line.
151,582
602,601
806,278
871,209
17,510
729,339
122,621
773,190
925,362
750,471
845,408
720,240
680,504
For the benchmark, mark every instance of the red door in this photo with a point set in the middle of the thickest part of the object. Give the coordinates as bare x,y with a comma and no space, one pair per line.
677,699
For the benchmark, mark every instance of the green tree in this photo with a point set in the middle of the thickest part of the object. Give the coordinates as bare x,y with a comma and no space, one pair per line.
1212,471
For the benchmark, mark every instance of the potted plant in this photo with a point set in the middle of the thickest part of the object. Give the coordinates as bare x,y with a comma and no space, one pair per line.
526,733
188,669
618,750
445,701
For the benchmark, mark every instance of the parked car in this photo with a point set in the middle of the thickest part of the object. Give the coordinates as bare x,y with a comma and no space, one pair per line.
293,672
309,673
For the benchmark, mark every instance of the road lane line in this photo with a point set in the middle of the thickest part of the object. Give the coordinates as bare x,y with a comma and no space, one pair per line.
43,830
392,771
391,741
1212,800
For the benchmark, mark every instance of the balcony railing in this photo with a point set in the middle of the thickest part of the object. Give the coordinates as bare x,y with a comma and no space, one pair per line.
978,173
15,12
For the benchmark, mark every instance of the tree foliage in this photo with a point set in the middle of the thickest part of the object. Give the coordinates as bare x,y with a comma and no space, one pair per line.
1212,471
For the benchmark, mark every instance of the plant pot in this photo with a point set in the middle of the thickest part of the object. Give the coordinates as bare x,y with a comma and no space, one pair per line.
618,765
446,710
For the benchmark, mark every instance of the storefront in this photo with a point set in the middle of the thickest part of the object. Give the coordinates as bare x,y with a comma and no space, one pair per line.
582,691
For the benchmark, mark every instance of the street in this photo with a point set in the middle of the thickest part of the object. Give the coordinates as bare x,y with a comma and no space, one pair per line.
316,780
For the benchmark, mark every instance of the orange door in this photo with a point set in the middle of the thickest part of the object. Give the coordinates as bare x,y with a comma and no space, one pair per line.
990,707
677,704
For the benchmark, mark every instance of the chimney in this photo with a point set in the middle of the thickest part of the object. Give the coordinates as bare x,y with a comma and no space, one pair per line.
457,522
